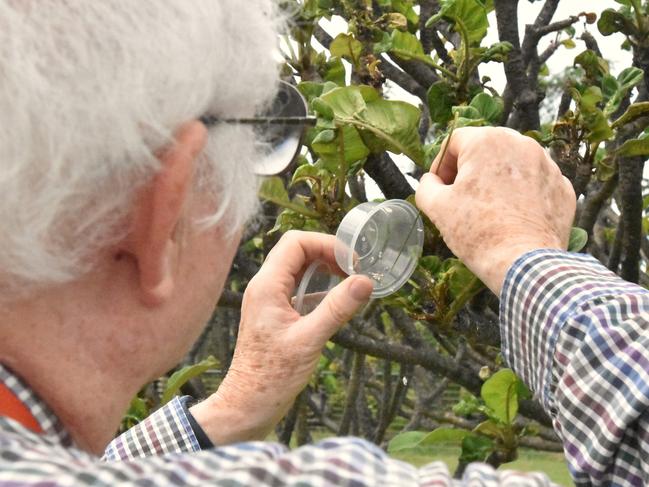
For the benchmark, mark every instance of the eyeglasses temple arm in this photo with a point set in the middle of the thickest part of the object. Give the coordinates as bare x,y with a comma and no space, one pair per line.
309,121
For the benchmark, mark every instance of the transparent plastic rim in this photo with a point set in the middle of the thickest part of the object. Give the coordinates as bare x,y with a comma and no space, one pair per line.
386,291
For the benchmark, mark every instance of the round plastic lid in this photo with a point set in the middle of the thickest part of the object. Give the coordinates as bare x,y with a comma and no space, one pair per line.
383,241
317,281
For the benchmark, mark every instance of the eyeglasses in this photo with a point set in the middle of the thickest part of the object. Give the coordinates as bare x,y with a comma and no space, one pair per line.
282,126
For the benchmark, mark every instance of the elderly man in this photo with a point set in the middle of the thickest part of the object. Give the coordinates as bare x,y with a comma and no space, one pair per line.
120,216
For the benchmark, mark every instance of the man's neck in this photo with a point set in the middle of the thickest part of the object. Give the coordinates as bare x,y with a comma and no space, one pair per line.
73,365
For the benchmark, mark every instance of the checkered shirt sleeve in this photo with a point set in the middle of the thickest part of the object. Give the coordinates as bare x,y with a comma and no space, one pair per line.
165,431
578,335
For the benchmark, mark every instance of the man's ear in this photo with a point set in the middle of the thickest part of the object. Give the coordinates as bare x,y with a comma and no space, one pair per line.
157,212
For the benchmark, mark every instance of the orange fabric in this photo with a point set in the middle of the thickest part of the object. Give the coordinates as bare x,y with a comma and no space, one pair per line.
11,407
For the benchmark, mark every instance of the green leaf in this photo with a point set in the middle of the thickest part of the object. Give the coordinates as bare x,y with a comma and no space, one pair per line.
499,393
444,435
325,137
404,44
431,263
138,409
634,148
305,172
406,8
610,86
322,108
441,98
395,127
466,407
272,189
593,117
346,46
475,448
396,20
590,98
382,124
635,111
467,116
578,239
416,439
605,168
611,21
182,376
310,90
497,52
489,107
630,77
459,277
595,66
406,441
354,149
489,428
334,72
523,391
626,81
291,220
469,14
568,43
465,111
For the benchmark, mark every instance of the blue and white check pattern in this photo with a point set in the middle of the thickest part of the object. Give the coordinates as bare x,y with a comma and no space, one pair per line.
165,431
576,333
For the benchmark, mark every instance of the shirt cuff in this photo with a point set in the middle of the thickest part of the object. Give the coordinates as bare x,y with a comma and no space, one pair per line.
203,440
168,430
542,290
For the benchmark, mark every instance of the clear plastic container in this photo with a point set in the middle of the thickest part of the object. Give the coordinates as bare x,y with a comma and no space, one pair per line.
317,281
383,241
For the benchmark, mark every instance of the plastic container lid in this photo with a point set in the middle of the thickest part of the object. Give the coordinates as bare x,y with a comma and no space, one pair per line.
317,281
383,241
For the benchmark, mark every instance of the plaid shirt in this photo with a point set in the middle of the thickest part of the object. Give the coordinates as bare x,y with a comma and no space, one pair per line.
572,330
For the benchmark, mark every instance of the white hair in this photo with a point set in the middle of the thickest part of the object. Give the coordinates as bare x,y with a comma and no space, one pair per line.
90,90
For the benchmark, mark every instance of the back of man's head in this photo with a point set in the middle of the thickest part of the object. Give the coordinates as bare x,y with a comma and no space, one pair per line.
90,90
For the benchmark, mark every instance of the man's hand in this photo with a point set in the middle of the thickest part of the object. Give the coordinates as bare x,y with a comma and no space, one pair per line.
494,196
277,349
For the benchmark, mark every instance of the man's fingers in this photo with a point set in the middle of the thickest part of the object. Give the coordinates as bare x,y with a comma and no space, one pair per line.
295,251
445,164
432,196
339,306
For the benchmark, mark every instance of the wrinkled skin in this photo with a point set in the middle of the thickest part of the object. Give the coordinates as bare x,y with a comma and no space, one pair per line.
494,196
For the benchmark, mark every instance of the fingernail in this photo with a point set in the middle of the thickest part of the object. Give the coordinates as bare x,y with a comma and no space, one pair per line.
361,288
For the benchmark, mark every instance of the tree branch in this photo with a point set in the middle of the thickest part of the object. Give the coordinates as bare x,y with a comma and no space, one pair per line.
403,79
427,358
616,251
519,93
631,205
419,71
427,9
322,36
593,204
351,395
547,12
231,299
390,180
591,43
